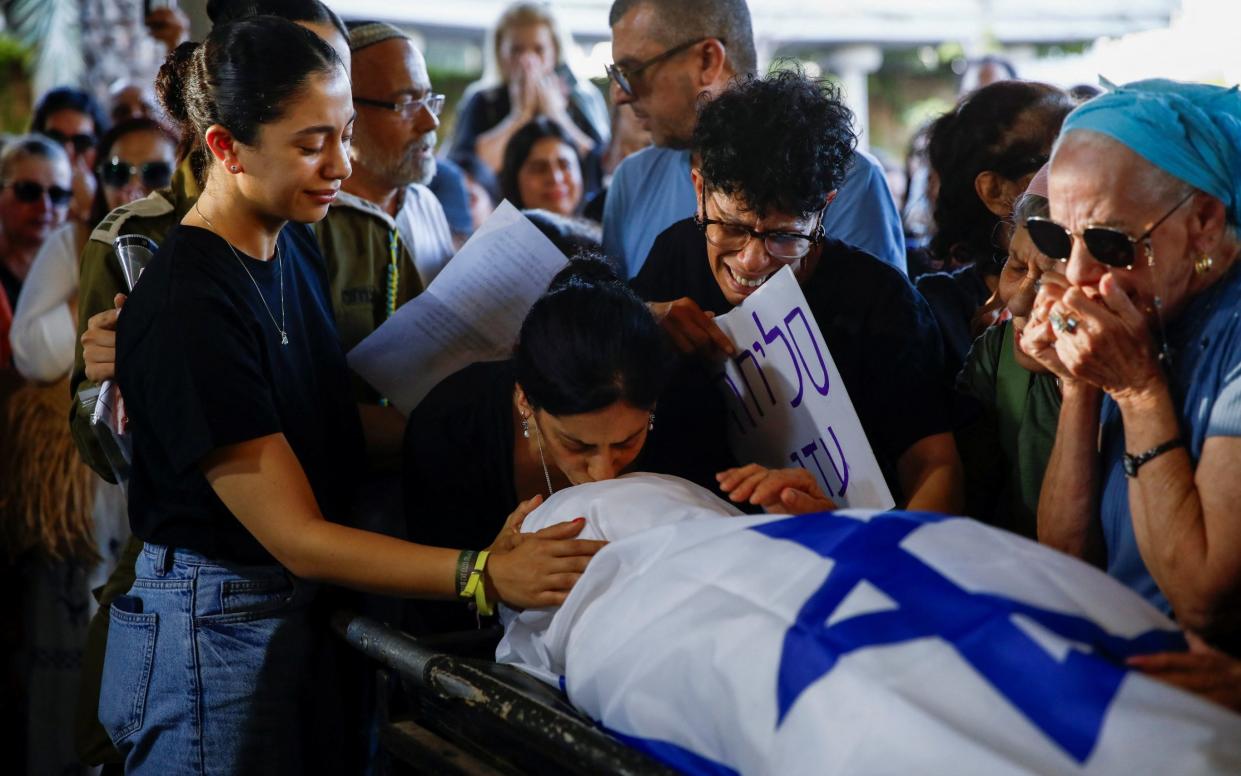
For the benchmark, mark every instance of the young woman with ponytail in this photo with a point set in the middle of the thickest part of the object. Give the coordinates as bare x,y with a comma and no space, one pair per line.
246,438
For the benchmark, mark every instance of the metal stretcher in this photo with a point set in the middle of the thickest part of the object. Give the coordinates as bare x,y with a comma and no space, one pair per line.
462,713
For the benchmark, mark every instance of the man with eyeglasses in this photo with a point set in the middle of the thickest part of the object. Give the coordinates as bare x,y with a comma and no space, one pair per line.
669,55
762,207
34,200
394,142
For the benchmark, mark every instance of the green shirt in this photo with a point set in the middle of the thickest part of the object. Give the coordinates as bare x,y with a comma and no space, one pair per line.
1005,451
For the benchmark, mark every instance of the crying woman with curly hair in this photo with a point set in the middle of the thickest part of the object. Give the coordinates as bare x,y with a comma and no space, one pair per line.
769,157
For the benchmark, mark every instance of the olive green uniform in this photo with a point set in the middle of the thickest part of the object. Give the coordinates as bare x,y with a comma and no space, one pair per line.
370,273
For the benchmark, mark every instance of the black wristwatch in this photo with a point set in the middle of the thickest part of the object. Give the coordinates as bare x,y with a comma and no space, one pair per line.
1134,462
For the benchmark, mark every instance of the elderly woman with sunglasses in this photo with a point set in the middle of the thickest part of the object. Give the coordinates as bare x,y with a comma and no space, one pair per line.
1145,336
34,200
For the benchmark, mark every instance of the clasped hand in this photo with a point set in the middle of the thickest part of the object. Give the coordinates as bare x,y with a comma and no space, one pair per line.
1092,335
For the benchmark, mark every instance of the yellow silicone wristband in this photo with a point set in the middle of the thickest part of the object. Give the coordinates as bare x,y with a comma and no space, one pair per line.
480,588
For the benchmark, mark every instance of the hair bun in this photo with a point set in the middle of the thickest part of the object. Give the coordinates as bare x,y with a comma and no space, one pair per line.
585,270
170,84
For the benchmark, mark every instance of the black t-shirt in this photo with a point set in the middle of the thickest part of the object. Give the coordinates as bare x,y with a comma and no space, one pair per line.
200,366
954,297
880,332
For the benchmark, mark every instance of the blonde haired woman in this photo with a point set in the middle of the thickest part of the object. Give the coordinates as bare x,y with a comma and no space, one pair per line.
527,76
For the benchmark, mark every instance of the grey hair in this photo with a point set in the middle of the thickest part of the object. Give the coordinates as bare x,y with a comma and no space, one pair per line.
1158,184
1028,206
26,146
684,20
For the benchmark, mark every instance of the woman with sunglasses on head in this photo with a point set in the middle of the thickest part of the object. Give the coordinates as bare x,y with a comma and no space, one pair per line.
34,199
770,154
136,158
246,436
1145,335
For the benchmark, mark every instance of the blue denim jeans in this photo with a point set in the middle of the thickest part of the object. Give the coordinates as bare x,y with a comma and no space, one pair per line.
206,667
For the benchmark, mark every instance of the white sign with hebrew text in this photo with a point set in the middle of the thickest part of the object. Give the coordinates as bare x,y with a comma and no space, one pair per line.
787,402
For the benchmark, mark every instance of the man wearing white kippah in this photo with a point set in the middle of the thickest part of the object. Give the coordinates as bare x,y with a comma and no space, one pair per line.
394,141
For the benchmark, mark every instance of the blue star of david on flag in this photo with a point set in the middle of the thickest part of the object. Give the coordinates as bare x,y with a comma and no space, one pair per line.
1067,700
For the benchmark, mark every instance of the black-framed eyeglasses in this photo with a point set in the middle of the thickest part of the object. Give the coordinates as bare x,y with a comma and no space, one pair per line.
1107,244
434,103
32,191
82,142
783,246
622,75
117,173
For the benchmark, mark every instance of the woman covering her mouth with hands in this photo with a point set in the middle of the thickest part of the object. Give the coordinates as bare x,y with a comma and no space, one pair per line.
1145,336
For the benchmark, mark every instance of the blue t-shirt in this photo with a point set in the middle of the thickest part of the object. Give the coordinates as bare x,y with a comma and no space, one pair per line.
201,366
652,190
1205,379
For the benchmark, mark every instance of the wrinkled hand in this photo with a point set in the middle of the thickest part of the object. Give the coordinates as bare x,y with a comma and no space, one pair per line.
542,568
169,26
1202,670
99,343
791,491
510,535
691,329
1111,347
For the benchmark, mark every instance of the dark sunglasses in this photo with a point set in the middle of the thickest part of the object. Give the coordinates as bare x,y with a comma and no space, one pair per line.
622,75
29,191
117,173
1106,244
82,142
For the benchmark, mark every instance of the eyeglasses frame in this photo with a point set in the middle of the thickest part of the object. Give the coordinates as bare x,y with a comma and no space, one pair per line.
622,75
814,238
407,110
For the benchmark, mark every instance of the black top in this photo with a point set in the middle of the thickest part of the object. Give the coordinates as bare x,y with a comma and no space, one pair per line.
458,465
488,107
880,332
458,462
954,297
200,366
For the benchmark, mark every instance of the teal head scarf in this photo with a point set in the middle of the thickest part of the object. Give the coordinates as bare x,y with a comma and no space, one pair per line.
1191,131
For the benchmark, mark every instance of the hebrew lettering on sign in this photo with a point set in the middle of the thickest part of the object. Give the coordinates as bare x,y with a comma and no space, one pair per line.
786,401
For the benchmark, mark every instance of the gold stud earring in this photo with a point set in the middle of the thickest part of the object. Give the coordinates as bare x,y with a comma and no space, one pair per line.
1203,264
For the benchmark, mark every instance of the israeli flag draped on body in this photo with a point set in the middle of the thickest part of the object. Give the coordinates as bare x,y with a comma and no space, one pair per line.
855,643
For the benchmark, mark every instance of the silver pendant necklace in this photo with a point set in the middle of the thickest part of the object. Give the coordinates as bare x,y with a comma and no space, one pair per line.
281,327
538,440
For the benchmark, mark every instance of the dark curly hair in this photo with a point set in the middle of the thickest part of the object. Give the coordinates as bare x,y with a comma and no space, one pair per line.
1007,127
780,143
